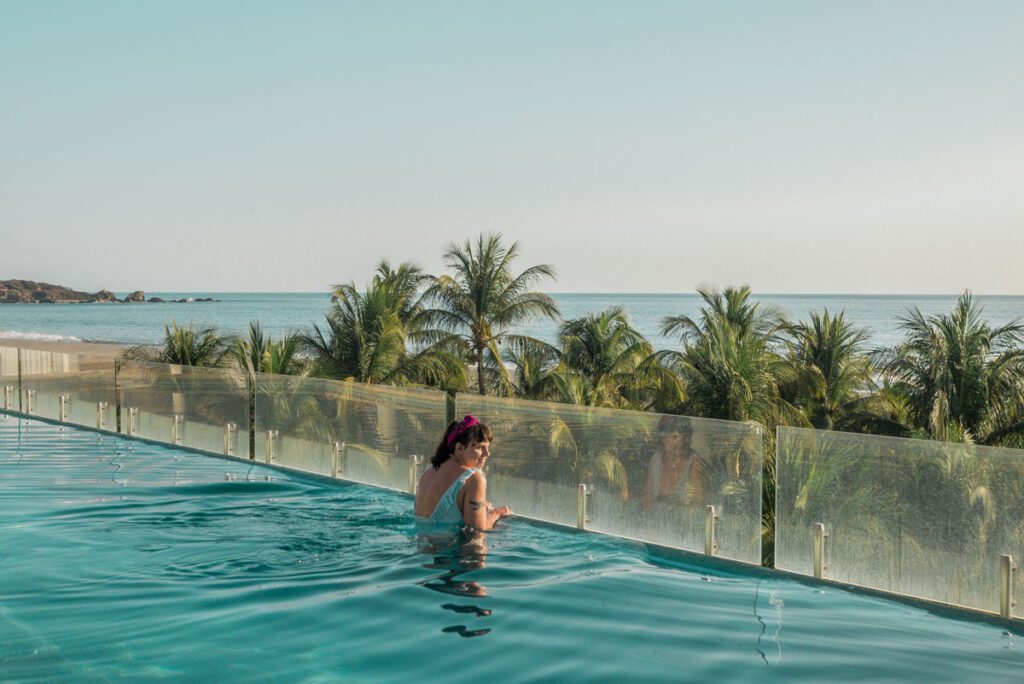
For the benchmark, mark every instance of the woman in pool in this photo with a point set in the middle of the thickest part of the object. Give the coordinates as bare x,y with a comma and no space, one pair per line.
454,490
676,473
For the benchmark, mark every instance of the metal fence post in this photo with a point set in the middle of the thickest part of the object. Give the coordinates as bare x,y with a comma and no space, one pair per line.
229,445
415,462
336,458
271,446
1006,569
710,542
177,429
820,535
582,493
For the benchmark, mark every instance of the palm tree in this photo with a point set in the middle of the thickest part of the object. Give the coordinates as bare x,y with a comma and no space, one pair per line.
532,363
962,378
259,353
378,335
731,371
603,362
186,346
830,375
482,300
727,360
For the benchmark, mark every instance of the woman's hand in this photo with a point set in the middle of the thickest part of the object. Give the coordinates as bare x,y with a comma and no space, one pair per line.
496,514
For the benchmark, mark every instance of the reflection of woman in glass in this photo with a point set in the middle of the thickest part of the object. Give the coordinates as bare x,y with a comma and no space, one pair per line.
454,490
676,474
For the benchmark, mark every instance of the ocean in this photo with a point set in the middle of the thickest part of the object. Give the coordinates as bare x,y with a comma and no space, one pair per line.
281,312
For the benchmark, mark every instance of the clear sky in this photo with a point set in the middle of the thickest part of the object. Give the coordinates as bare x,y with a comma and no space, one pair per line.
850,147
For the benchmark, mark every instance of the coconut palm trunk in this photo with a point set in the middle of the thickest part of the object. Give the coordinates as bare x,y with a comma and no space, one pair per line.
480,370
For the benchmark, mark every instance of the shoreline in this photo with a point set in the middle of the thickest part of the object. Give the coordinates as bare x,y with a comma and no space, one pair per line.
105,349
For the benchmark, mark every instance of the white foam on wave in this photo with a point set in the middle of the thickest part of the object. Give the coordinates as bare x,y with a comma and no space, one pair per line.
38,337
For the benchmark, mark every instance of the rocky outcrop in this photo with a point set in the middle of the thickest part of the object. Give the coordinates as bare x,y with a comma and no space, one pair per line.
27,291
31,292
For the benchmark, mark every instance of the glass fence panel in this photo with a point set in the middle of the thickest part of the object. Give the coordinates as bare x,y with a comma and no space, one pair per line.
9,393
652,476
204,400
374,429
915,517
74,388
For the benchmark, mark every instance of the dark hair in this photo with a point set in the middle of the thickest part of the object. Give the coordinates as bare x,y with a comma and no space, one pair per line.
476,433
670,424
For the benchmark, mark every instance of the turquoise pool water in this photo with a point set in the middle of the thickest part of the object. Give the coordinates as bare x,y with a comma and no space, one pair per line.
127,560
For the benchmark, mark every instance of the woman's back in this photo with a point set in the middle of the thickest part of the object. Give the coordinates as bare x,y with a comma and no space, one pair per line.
439,493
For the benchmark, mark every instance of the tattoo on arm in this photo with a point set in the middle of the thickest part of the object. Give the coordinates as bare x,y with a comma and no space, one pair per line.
476,505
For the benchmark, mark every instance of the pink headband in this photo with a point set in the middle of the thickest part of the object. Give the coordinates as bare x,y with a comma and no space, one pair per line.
459,430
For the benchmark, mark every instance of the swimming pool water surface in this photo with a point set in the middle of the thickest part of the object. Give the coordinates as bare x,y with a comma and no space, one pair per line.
122,559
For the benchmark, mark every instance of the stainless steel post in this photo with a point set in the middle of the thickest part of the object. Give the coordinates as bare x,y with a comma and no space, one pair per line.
229,441
414,470
63,408
133,414
336,458
101,415
270,446
710,542
820,535
8,392
30,396
582,492
1006,569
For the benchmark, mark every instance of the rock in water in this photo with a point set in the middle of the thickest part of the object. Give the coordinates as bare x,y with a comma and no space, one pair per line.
137,296
104,296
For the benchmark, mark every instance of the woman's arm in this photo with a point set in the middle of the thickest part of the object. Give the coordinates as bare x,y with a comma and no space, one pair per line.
476,510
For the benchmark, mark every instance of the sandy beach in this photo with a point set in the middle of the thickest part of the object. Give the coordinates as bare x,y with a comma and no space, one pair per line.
107,349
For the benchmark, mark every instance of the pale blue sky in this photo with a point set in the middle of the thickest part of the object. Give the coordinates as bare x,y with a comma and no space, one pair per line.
637,146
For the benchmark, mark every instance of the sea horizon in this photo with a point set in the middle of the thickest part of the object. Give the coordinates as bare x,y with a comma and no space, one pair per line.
284,312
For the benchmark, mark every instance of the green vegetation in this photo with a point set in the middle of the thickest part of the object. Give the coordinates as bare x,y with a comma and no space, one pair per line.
482,301
954,378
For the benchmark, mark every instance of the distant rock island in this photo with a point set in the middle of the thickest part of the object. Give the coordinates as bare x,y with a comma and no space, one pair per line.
31,292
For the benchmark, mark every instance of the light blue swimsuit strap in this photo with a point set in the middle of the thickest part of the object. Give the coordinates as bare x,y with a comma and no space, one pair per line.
447,510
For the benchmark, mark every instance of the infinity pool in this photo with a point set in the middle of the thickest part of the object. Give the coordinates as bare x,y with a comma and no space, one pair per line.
127,560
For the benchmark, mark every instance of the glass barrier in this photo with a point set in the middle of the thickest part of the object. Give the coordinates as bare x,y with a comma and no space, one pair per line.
10,398
202,408
914,517
73,388
651,477
364,433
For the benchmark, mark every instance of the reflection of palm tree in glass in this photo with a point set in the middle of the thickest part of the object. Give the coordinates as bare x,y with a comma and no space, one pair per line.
594,446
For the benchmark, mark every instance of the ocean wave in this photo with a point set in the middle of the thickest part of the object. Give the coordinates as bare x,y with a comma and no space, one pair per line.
38,337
